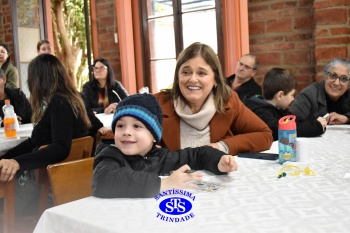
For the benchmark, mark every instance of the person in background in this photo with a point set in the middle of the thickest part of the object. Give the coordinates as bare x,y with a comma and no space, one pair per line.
59,116
43,46
329,96
200,109
242,81
98,93
18,100
10,70
278,90
132,167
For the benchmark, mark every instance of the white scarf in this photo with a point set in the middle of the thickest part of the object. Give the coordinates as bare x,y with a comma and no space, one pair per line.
194,128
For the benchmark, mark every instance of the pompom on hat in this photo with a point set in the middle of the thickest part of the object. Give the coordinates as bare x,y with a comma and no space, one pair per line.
143,107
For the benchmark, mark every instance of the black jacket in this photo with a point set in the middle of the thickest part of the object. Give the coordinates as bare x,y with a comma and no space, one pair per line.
271,115
20,104
250,88
90,95
117,175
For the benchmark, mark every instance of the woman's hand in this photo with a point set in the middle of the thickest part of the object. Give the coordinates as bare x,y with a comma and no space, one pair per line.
19,120
227,163
8,167
337,119
111,108
103,130
179,179
214,145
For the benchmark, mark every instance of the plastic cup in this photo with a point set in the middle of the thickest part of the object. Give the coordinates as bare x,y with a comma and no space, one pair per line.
303,149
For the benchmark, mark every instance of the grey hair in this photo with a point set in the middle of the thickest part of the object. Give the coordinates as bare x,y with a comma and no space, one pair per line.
337,62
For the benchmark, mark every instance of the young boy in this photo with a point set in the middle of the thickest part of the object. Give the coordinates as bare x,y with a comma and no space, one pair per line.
278,89
132,167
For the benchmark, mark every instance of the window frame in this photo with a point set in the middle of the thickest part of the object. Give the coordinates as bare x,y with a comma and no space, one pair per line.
148,77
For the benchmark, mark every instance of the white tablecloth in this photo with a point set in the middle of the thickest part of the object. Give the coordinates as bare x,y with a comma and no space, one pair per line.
23,133
255,201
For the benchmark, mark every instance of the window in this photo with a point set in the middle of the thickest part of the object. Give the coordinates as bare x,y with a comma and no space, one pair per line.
169,26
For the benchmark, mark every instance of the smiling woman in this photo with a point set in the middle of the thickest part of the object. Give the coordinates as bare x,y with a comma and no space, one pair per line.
330,95
99,94
201,109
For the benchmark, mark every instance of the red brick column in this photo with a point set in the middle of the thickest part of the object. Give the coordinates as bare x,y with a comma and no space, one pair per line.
108,48
5,26
331,32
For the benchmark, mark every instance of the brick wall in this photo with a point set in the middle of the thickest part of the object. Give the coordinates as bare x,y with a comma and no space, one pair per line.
108,49
281,34
298,35
331,32
5,26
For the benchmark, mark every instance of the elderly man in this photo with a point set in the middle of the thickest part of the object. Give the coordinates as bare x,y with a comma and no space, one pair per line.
242,81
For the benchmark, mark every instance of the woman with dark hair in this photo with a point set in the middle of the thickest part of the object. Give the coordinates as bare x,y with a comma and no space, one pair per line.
17,98
102,93
10,70
201,109
59,115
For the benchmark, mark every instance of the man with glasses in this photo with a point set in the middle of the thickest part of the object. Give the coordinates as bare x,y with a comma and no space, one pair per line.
242,81
329,98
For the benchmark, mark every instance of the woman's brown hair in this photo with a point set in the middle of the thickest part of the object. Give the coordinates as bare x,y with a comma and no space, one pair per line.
47,77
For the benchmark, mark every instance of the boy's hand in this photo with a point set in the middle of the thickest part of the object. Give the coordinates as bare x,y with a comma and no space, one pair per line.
179,179
227,163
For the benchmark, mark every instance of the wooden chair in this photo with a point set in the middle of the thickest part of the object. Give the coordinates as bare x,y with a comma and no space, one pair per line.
71,181
7,193
81,148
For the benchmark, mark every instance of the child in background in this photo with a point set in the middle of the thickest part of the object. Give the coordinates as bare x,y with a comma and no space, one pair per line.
43,47
278,90
132,167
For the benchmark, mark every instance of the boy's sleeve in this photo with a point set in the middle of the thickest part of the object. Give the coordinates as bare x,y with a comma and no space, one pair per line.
199,158
113,178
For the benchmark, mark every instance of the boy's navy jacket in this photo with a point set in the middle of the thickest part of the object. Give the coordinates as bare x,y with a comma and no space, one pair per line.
117,175
271,115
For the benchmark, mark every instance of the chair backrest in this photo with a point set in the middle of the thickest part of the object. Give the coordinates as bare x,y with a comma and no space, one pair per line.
71,181
81,148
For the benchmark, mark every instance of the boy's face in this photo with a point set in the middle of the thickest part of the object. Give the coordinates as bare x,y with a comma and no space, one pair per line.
132,137
286,100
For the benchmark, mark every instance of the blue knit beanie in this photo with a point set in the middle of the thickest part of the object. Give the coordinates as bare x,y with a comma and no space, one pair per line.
143,107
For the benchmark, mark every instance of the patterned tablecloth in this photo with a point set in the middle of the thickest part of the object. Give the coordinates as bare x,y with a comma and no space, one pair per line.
254,201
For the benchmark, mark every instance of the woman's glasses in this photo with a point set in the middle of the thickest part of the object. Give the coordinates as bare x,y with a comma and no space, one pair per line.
101,68
343,79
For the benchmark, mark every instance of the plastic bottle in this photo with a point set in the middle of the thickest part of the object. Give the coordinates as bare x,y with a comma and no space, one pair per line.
10,120
287,135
